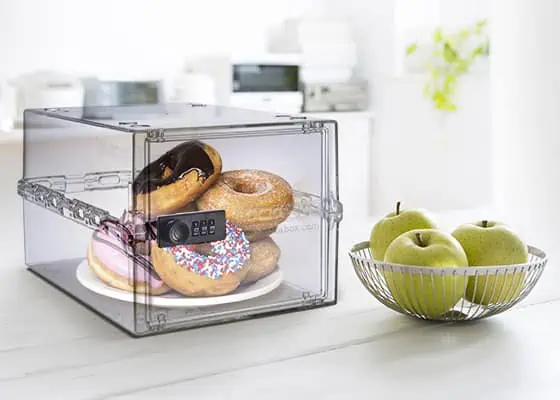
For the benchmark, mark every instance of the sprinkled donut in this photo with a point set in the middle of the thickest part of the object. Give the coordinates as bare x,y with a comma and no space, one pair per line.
177,178
256,201
188,270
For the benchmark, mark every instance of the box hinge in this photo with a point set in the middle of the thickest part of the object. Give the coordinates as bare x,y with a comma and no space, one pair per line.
313,127
333,210
307,126
55,201
155,135
159,323
306,204
312,300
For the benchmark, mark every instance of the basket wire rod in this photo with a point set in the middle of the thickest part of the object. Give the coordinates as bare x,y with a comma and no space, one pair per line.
535,274
488,294
384,297
501,299
418,303
409,290
443,292
462,302
380,285
363,275
513,301
432,282
515,284
475,287
372,277
368,277
455,280
390,295
385,290
422,305
412,306
377,280
392,277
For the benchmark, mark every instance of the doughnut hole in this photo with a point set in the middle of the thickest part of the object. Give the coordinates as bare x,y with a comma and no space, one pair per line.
247,186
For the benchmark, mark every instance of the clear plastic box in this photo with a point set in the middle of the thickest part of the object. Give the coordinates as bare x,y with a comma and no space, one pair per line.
229,214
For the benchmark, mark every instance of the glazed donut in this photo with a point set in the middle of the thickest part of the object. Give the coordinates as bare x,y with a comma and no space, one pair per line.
110,257
264,259
177,178
254,200
193,273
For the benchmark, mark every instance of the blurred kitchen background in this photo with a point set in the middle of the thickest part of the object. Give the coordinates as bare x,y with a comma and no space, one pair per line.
343,59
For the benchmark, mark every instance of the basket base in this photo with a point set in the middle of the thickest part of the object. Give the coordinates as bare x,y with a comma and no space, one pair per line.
463,311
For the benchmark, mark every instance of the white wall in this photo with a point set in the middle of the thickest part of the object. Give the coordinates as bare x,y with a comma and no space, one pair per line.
417,157
526,122
132,36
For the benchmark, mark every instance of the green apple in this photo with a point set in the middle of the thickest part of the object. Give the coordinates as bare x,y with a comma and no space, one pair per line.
431,294
394,224
492,243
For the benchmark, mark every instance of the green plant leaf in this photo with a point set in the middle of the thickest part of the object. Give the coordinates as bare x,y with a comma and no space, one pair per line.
449,107
464,33
462,67
434,73
449,83
438,35
445,105
411,48
437,53
480,26
438,96
449,53
447,63
478,51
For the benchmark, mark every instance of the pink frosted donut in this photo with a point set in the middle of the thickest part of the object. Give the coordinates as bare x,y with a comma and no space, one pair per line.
111,258
188,270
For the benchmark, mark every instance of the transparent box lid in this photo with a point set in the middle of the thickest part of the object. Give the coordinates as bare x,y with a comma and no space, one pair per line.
168,217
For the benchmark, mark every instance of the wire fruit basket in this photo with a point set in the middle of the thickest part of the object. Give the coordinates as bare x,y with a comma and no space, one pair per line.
447,293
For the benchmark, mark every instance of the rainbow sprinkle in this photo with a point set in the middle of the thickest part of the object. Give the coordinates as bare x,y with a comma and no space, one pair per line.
228,255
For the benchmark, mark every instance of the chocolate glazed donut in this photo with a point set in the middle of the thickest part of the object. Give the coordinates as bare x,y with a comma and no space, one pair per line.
177,178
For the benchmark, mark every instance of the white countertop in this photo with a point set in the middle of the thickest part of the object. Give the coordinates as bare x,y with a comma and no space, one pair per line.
53,348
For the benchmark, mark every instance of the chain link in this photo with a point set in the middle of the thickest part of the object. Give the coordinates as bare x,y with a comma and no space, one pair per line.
57,202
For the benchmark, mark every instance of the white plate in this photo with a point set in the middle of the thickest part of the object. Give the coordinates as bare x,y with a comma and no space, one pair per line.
265,285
